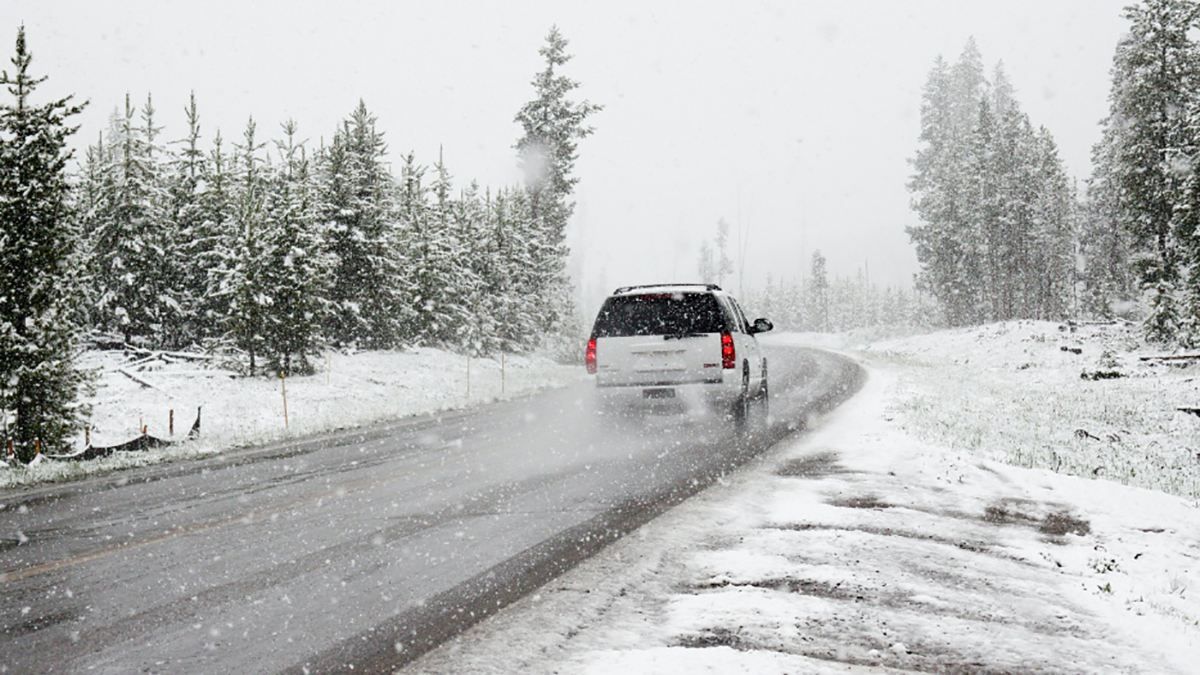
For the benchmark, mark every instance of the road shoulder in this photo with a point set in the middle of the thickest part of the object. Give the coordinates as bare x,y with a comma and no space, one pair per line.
858,546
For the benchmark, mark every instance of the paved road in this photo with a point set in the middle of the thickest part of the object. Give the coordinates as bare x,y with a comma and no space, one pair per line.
364,548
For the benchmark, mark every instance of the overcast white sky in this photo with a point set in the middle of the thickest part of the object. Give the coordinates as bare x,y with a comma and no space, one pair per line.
794,119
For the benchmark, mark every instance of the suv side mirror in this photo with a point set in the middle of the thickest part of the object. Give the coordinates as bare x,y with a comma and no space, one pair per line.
761,326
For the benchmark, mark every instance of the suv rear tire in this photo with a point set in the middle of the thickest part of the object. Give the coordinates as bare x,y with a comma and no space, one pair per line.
744,402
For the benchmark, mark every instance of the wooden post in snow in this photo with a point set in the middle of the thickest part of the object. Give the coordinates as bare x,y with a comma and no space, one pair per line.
171,421
283,388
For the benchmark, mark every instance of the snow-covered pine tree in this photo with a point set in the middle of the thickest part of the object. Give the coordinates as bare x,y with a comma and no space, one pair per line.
552,125
524,323
294,272
166,264
941,199
90,205
968,86
433,260
1052,245
1186,223
359,220
497,270
424,252
132,239
244,259
706,264
1107,247
982,235
218,228
1017,153
724,265
196,237
506,276
1155,74
39,380
475,330
996,212
818,294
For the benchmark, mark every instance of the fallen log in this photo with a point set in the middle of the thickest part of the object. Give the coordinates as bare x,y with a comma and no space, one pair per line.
1170,357
189,356
135,378
1096,375
199,373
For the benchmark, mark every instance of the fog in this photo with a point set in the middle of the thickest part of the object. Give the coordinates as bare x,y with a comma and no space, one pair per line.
793,121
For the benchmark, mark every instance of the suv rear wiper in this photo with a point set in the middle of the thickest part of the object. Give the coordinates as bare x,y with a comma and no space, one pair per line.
680,336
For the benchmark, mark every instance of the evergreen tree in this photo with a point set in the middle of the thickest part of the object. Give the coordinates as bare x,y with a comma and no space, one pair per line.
242,281
39,381
215,245
1052,247
1105,245
473,329
165,263
90,208
724,265
818,289
940,195
524,322
552,124
983,234
512,308
706,265
357,209
196,238
424,252
441,272
294,272
1155,72
134,264
996,237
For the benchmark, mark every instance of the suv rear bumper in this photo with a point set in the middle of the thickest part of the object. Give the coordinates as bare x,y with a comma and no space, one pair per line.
669,396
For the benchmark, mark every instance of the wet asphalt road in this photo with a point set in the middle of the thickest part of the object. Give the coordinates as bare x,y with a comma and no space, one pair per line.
363,548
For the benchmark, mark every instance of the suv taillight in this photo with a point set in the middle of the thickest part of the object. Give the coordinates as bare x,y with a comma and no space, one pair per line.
728,357
589,358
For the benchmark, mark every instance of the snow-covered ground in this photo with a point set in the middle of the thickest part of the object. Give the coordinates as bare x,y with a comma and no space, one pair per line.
351,390
886,540
1014,392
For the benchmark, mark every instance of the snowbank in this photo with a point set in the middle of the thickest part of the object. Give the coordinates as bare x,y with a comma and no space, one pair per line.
351,390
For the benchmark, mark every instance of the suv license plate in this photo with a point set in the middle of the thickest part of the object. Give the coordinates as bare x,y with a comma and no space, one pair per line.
658,393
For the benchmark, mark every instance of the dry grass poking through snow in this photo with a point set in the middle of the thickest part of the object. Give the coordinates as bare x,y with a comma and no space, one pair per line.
1013,392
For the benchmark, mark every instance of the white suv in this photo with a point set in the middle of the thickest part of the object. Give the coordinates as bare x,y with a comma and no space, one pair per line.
688,342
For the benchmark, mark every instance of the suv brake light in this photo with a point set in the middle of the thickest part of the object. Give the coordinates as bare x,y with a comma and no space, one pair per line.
728,356
589,358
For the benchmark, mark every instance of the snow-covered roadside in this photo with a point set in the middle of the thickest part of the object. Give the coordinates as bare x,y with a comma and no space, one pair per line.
351,390
858,546
1014,392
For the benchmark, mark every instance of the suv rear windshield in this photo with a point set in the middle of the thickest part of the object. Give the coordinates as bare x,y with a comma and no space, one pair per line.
659,314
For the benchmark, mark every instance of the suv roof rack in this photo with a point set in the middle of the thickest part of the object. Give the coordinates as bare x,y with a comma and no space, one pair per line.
626,289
